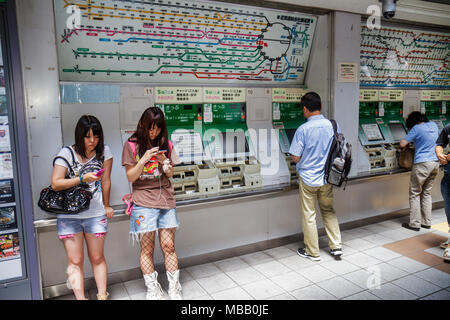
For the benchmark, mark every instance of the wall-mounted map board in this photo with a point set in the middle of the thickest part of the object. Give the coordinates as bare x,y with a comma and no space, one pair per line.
404,57
181,42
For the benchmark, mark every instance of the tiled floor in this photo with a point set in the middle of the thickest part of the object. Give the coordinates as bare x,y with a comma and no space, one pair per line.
380,261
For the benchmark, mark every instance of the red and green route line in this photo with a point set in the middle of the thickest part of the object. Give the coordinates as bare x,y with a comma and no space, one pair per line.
385,50
227,75
197,74
76,69
189,55
111,33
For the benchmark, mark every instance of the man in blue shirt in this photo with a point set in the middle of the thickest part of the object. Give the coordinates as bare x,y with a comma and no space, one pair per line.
309,150
424,134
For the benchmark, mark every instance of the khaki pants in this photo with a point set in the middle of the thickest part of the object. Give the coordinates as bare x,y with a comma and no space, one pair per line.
308,197
420,203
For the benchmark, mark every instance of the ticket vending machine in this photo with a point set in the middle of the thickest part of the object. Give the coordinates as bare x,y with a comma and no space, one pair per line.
434,107
381,127
195,176
392,121
227,141
287,116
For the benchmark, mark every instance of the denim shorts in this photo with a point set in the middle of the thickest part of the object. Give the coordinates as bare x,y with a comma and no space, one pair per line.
150,219
67,227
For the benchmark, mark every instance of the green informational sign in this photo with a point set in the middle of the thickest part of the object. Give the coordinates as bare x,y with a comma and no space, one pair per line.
225,130
368,110
224,116
181,116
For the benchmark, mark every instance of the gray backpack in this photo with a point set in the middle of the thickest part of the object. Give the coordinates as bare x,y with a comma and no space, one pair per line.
339,160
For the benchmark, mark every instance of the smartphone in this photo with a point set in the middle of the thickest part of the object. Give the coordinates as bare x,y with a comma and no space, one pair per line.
161,151
99,172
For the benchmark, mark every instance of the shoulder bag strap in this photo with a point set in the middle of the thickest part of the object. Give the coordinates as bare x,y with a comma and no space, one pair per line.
65,160
73,156
133,147
169,153
333,122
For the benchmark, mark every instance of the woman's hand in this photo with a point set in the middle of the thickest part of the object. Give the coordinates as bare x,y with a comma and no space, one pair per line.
91,177
161,157
148,155
109,212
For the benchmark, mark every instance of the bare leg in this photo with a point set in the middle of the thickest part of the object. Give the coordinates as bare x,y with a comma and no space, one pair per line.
95,247
75,256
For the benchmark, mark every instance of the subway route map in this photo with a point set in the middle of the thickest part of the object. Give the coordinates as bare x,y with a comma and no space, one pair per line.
181,41
400,57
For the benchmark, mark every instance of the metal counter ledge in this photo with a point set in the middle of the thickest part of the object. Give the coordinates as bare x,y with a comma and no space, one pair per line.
119,210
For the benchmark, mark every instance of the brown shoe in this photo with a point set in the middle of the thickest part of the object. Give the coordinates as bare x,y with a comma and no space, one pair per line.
103,296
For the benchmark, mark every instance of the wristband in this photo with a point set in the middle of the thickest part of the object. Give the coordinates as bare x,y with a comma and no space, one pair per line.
166,166
81,178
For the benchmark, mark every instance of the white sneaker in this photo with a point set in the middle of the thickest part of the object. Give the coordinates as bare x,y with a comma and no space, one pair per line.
447,255
444,244
154,290
174,285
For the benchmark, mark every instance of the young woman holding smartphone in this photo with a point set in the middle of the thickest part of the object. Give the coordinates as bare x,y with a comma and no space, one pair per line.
87,157
153,198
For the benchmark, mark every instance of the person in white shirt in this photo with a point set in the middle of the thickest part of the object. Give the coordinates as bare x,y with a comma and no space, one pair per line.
86,157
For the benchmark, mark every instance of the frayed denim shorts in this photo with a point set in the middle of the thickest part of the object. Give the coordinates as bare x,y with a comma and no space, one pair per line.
68,227
151,219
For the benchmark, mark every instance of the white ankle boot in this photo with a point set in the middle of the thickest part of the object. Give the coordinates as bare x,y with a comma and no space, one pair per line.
174,285
154,290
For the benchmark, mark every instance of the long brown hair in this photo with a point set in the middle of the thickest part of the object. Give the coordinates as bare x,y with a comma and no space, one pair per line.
152,116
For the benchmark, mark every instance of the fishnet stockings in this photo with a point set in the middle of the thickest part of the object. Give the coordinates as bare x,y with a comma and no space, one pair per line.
147,249
167,243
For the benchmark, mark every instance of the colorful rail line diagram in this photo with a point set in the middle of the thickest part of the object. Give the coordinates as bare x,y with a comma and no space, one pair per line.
165,41
399,57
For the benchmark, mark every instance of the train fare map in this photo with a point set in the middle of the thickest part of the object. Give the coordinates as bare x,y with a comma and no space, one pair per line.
181,41
400,57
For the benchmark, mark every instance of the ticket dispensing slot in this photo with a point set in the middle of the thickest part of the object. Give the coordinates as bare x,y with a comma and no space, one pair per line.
230,152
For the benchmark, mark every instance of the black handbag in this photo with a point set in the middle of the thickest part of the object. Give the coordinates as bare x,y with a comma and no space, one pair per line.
70,201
